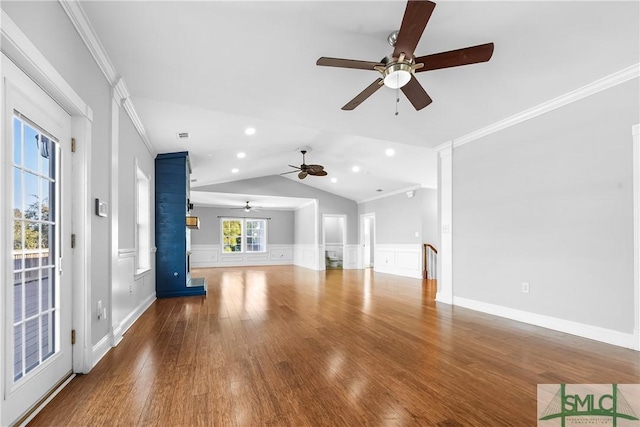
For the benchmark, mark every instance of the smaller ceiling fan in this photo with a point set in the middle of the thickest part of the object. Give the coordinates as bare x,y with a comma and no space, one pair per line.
305,169
248,208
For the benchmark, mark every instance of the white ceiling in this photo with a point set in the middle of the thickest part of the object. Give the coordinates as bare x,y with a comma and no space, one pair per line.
214,68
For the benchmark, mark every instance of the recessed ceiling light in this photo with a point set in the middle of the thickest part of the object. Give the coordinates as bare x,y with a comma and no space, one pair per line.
334,180
390,152
241,155
235,170
209,155
356,168
250,131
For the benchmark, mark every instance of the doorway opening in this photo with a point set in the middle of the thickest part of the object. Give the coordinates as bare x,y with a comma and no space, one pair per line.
334,227
368,233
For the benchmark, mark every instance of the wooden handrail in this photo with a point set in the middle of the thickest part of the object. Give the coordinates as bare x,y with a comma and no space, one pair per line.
425,273
426,245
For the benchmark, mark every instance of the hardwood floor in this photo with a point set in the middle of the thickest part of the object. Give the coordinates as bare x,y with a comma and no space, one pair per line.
287,346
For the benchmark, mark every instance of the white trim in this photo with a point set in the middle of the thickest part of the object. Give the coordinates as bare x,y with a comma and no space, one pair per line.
597,333
445,223
83,26
27,57
113,284
130,319
100,350
126,253
636,234
599,85
391,193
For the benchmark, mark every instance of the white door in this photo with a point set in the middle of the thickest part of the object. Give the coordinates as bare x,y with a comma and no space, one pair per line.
367,240
36,172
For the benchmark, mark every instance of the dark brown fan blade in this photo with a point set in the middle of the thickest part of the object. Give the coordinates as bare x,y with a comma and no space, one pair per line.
363,95
456,58
302,175
416,94
415,19
348,63
318,173
314,168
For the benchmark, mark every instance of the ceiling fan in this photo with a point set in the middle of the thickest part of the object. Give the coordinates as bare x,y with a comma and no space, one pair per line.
398,70
305,169
248,208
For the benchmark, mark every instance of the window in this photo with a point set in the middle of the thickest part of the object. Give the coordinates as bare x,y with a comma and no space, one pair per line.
143,221
244,235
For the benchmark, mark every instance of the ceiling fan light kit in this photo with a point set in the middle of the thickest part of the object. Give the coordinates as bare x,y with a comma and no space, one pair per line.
398,70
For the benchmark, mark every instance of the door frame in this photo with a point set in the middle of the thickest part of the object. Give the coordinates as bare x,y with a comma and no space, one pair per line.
371,215
636,235
28,58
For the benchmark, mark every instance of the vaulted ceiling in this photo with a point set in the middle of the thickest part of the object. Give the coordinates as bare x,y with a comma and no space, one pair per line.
214,68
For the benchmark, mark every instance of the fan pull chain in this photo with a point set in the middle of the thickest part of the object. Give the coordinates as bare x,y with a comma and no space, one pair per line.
397,99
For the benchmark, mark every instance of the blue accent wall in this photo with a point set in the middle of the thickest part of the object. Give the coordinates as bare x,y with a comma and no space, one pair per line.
172,189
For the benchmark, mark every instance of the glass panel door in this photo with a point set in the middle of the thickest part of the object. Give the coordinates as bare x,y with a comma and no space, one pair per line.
35,189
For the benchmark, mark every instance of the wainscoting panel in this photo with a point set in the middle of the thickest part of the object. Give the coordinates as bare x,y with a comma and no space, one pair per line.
402,260
212,256
308,256
351,257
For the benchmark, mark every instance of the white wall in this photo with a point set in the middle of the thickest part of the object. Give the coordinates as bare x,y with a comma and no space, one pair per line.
549,202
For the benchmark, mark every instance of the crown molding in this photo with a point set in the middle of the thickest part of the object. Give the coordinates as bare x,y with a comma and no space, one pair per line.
83,26
599,85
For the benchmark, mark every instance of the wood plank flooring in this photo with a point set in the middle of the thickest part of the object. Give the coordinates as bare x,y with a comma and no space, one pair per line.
287,346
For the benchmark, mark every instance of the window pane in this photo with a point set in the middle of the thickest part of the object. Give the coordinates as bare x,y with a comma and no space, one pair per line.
45,147
31,347
46,291
17,236
17,297
232,235
45,185
47,341
17,141
18,207
256,236
31,297
17,351
32,197
31,150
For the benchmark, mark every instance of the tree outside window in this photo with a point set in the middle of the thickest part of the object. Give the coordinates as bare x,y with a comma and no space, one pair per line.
244,235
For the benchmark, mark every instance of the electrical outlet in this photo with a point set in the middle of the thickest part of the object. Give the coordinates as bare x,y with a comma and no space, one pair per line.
99,309
525,287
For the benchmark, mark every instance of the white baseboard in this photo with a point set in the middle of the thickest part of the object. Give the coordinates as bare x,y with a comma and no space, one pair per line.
120,329
445,299
596,333
101,348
